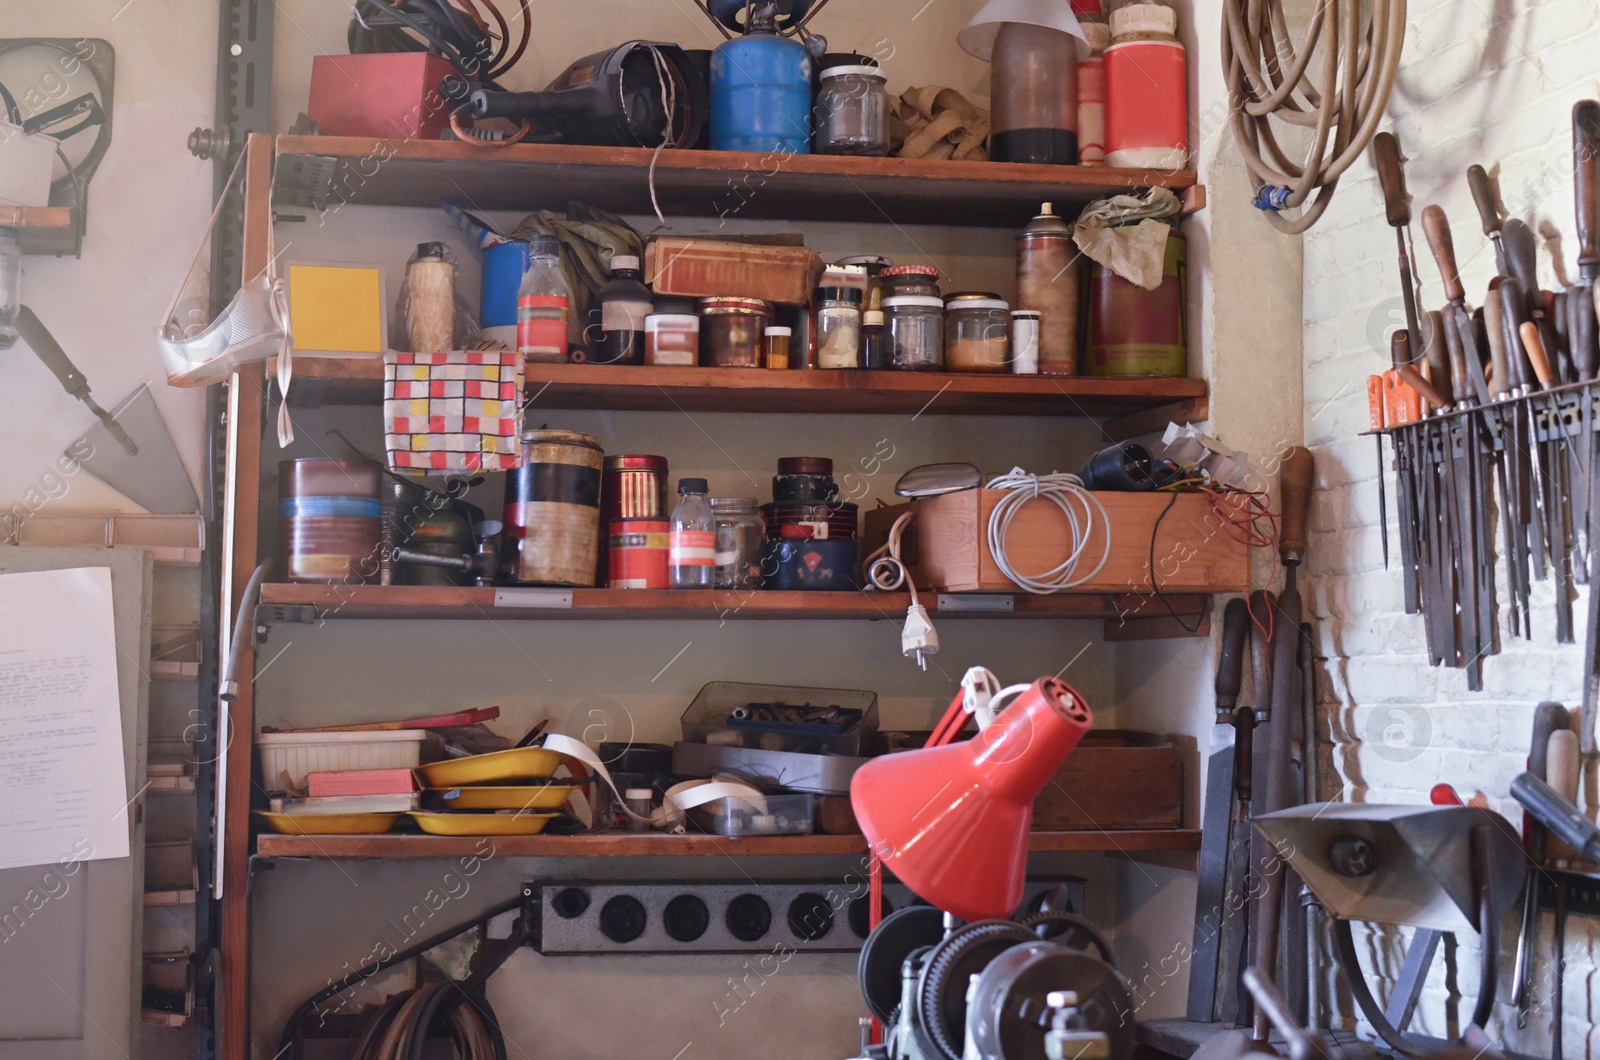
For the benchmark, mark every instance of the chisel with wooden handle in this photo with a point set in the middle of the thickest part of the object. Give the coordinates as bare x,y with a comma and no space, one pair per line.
1564,820
1490,210
1397,211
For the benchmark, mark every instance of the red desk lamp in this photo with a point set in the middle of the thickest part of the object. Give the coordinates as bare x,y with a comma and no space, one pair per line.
952,822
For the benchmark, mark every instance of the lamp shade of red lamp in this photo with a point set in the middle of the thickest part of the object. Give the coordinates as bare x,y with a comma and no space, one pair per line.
952,822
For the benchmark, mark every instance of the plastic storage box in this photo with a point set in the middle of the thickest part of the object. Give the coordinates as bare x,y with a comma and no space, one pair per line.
302,753
767,815
775,725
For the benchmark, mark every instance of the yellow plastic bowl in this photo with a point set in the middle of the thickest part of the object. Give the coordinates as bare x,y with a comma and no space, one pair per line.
496,767
495,797
481,823
329,823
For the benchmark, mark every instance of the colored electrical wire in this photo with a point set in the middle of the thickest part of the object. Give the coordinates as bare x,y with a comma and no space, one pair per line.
1238,513
1082,509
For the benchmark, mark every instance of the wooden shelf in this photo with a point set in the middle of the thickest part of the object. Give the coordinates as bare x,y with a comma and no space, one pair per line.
335,380
41,229
718,184
425,846
313,602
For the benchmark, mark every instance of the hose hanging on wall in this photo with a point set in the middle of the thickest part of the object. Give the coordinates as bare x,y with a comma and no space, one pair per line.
1269,77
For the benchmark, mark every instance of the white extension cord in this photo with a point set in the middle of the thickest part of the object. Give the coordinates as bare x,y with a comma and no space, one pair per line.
886,571
1079,505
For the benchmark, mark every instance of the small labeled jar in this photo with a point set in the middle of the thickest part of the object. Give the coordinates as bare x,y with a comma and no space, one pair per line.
977,327
916,332
1025,341
672,334
910,279
874,264
731,331
740,531
775,346
853,111
836,327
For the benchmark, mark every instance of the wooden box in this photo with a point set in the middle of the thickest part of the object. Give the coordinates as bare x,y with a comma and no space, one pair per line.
709,268
1115,779
946,545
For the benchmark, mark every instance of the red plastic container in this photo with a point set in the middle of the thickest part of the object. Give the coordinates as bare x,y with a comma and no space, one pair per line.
392,96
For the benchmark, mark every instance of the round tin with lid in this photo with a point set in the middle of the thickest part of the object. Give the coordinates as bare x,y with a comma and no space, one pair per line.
731,330
901,280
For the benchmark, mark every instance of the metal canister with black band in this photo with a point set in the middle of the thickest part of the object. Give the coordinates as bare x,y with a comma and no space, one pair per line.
552,511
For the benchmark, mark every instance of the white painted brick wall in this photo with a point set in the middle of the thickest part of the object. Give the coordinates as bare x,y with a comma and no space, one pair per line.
1471,89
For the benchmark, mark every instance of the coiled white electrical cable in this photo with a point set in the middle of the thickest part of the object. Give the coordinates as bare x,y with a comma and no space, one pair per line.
1079,505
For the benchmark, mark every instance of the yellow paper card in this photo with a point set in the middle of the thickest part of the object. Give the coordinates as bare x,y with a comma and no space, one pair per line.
336,308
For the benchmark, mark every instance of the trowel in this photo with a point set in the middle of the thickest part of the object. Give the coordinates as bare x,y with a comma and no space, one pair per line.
155,478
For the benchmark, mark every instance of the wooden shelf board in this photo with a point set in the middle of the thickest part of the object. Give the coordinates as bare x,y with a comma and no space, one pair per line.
719,184
156,899
424,846
432,602
41,229
337,380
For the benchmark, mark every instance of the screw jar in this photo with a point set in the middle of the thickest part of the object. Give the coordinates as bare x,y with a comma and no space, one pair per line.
731,330
836,327
740,531
916,331
909,279
976,333
853,111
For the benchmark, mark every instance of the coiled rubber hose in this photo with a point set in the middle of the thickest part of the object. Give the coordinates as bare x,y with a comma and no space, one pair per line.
1269,77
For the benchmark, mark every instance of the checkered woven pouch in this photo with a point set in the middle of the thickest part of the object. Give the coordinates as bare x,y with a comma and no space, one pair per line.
455,411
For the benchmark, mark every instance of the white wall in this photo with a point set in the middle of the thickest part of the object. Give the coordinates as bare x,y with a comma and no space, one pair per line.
148,205
1492,84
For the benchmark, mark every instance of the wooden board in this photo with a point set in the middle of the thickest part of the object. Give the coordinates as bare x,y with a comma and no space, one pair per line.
1115,780
41,229
648,388
624,845
947,544
428,601
714,184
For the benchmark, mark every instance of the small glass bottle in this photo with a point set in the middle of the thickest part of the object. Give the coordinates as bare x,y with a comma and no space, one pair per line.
543,303
740,531
836,327
616,325
852,111
775,346
877,348
692,544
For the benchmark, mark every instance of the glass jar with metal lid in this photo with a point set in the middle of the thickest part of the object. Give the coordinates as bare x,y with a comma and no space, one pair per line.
976,332
853,111
740,532
916,331
731,331
836,325
874,264
910,279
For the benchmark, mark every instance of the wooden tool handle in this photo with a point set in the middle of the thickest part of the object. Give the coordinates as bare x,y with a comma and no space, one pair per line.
1460,380
1535,347
1581,332
1547,718
1485,199
1513,313
1435,355
1586,181
1392,178
1503,369
1522,254
1294,489
1400,355
1230,663
1262,604
1436,227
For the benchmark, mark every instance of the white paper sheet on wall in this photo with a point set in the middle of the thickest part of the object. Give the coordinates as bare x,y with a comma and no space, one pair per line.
63,784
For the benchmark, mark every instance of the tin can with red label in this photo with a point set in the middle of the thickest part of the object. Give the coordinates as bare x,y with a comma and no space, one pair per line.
638,553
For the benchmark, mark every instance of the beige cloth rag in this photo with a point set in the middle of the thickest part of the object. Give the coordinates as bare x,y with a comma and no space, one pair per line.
1128,234
938,122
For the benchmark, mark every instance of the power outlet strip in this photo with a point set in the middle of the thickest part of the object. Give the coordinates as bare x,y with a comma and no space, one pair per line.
816,916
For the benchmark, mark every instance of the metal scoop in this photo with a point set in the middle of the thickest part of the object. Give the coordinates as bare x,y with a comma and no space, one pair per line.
154,478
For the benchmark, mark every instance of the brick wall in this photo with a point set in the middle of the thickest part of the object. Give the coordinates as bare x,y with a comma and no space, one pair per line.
1492,84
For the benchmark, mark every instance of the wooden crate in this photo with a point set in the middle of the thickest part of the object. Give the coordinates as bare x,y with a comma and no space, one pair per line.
1115,779
709,268
947,548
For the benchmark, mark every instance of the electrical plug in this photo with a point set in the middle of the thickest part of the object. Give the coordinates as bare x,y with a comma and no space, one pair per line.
918,638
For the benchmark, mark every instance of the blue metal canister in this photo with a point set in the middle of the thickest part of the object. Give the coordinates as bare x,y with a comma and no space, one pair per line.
761,95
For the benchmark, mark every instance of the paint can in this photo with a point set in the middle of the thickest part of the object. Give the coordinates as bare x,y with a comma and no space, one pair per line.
638,553
552,511
329,520
632,486
1133,331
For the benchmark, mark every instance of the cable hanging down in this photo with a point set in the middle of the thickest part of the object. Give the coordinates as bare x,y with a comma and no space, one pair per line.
1269,77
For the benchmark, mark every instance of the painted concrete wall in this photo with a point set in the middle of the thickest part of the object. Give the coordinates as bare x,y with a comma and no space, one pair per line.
148,206
1491,84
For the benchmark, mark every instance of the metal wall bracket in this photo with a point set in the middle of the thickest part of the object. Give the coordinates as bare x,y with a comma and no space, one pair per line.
268,615
989,603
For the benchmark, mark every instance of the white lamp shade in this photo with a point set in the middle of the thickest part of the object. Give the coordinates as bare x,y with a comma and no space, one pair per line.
978,36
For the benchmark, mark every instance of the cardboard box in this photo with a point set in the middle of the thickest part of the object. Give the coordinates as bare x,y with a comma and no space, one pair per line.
709,268
946,546
390,96
1114,779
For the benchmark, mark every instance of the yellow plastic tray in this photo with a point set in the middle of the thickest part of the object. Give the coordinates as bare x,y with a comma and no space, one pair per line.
329,823
496,767
482,823
497,797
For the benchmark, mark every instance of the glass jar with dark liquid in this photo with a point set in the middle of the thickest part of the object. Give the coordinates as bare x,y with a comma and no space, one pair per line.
1033,85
